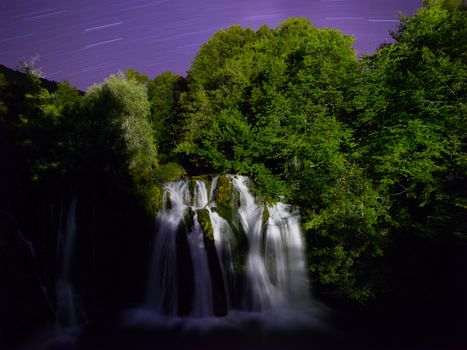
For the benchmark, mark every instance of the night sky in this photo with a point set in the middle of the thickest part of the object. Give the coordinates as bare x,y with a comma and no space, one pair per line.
84,41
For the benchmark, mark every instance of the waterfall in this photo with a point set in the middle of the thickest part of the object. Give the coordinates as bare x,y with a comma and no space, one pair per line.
200,195
287,257
259,292
243,254
202,299
67,309
162,292
225,243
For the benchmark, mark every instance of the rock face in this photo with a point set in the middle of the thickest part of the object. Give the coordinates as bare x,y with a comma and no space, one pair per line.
220,249
24,305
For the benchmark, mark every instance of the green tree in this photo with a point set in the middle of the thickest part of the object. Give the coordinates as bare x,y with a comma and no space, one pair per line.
131,74
35,125
273,83
122,135
164,92
412,123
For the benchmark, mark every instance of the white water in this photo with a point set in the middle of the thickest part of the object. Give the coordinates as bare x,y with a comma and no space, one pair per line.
224,240
162,293
202,299
67,308
200,195
287,257
274,273
259,292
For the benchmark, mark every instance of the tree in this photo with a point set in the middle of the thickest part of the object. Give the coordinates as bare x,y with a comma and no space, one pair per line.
164,92
272,82
412,122
122,135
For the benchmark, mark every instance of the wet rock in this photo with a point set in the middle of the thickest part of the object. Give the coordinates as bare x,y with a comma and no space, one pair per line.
218,288
23,303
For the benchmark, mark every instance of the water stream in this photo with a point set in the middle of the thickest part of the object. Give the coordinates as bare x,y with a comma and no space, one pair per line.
266,273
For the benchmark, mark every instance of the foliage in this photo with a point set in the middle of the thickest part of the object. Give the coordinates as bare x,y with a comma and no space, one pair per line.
169,172
163,93
412,119
120,110
40,126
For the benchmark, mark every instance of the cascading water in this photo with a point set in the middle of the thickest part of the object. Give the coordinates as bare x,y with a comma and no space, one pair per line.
286,259
225,243
202,298
243,255
68,312
162,293
260,293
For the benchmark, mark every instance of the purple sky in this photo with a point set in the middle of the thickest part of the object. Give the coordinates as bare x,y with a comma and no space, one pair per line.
84,41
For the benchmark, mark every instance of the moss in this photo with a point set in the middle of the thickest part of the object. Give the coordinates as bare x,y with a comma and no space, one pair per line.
264,225
223,193
218,288
204,178
170,172
227,212
241,251
151,199
223,197
206,225
265,217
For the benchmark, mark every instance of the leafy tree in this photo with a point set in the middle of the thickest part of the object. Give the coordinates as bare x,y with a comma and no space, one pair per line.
122,135
222,46
34,124
273,84
163,93
412,123
131,74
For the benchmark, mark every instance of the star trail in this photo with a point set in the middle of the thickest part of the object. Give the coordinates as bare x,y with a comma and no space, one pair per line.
85,41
